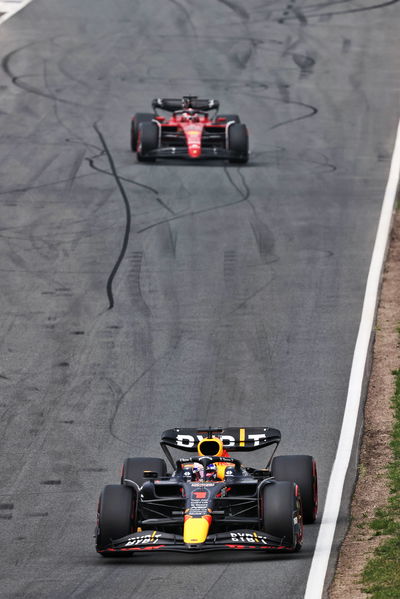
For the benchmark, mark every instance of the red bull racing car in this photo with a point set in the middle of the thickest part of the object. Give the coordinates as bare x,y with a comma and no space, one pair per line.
210,501
189,132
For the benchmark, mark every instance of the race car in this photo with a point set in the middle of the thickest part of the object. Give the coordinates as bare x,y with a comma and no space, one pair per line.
210,501
189,132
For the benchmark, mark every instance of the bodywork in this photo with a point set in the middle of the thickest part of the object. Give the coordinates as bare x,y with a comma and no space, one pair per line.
193,131
174,514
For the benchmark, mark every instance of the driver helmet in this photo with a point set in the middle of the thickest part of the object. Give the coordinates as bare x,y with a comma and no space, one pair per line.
198,472
211,472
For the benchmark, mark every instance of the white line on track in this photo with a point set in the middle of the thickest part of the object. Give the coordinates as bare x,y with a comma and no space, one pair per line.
10,8
319,565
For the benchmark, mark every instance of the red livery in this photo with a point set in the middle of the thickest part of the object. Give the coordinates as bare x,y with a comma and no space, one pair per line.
189,132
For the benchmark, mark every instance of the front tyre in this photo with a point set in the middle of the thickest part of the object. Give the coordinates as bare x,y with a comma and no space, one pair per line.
139,117
238,143
301,469
281,513
147,141
116,515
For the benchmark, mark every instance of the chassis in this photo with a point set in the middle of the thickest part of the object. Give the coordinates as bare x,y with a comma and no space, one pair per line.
243,508
189,132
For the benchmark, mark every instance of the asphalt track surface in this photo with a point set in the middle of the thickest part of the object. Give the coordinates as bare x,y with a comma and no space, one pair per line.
138,297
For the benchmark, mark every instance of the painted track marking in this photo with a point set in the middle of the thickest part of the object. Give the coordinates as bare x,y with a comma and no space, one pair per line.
319,565
8,8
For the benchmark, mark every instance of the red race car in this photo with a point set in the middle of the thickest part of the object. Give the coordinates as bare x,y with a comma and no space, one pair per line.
189,132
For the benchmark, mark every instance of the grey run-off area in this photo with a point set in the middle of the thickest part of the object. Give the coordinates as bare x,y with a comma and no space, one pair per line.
212,295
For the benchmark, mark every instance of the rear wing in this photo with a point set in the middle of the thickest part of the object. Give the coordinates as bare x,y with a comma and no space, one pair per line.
234,438
173,104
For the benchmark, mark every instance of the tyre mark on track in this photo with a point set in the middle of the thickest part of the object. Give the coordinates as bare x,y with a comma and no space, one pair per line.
76,165
305,64
247,299
262,233
133,181
17,80
128,218
244,198
337,12
236,8
264,240
186,12
30,187
134,279
242,56
313,110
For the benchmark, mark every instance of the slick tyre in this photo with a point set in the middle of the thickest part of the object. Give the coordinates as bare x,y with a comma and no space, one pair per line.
116,515
133,469
229,117
281,514
147,141
301,469
139,117
238,143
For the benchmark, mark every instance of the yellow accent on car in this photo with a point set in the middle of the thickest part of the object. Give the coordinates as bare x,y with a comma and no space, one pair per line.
211,446
242,437
195,530
221,467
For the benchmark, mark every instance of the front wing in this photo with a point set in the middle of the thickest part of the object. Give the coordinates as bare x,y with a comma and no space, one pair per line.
182,152
160,541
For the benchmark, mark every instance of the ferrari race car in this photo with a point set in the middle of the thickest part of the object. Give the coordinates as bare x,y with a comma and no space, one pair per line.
210,501
189,132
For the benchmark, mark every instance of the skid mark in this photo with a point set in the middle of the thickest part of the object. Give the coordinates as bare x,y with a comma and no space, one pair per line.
128,219
317,10
133,277
19,80
236,8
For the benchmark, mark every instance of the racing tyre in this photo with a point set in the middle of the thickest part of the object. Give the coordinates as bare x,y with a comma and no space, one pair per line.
147,141
281,513
230,117
116,515
301,469
133,469
139,117
238,142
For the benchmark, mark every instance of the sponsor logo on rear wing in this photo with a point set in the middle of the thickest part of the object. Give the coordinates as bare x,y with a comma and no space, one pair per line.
233,438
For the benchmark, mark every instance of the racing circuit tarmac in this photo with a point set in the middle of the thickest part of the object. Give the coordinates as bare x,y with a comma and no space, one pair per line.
176,293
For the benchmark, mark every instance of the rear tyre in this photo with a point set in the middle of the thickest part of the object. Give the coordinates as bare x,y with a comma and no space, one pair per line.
238,142
229,117
116,515
301,469
147,141
139,117
133,469
281,513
